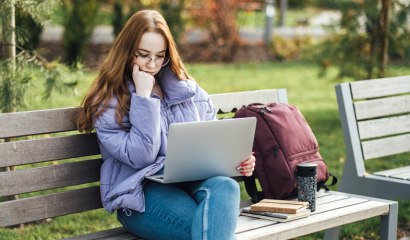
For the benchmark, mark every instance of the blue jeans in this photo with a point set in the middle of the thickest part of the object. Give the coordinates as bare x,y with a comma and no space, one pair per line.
191,210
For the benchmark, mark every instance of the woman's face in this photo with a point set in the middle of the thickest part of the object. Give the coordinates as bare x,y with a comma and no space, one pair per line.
150,52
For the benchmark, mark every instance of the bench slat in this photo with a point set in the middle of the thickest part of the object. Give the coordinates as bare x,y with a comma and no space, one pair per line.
102,234
380,87
324,207
258,223
386,146
384,127
338,204
50,205
226,102
404,176
325,201
49,177
48,149
37,122
328,199
124,236
390,172
382,107
318,222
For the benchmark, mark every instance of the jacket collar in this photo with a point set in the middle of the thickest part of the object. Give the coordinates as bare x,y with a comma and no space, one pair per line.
175,90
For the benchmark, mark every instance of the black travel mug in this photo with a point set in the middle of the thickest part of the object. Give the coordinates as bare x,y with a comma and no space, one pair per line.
307,183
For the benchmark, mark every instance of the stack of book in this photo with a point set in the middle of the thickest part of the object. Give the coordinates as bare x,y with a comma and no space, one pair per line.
278,210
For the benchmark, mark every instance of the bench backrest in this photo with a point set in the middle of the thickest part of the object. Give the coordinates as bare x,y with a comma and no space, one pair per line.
65,147
375,118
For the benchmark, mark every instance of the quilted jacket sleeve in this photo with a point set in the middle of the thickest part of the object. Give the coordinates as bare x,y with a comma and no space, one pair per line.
139,147
211,111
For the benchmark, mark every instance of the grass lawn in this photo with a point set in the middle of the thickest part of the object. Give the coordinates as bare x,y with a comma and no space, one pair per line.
314,96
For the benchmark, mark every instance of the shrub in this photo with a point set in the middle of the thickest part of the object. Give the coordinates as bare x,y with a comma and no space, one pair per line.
30,30
172,15
286,49
78,27
220,18
118,17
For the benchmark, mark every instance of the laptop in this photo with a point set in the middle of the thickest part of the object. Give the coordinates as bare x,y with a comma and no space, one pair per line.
201,150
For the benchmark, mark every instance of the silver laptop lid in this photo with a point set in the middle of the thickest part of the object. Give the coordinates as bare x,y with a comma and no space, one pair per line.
201,150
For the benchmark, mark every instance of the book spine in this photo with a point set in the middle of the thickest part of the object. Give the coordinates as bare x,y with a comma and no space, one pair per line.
268,214
273,209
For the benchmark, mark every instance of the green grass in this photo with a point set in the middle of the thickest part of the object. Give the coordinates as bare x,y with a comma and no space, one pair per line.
257,18
314,96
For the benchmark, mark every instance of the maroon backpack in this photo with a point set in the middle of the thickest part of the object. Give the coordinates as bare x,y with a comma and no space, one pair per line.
283,139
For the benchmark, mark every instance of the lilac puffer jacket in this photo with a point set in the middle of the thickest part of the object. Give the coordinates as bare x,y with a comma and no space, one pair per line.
131,156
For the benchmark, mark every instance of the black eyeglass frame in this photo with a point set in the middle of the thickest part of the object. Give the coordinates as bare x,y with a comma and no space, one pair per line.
166,60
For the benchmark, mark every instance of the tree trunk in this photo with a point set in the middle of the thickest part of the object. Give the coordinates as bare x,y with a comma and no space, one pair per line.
384,36
9,51
283,9
371,56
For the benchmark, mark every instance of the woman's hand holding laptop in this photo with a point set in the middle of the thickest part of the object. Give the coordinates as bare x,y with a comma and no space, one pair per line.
248,166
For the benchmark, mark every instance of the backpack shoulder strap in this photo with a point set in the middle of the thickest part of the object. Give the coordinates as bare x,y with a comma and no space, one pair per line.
334,181
251,189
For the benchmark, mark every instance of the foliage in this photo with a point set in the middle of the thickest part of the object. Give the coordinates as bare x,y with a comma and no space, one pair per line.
356,44
220,18
286,49
78,28
17,75
298,4
29,28
118,17
18,72
172,14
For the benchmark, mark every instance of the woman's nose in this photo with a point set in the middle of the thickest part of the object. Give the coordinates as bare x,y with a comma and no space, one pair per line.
151,64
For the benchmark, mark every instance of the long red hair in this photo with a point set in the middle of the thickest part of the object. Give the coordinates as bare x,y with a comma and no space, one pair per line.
117,68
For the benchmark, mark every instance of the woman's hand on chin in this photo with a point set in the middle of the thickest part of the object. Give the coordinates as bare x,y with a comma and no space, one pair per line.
143,82
247,167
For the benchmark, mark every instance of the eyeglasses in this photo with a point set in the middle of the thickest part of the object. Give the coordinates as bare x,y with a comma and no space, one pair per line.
159,60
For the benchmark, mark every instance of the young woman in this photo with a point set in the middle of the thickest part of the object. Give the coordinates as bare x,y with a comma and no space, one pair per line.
142,87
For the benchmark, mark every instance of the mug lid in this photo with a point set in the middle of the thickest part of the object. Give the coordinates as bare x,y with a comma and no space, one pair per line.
306,169
307,165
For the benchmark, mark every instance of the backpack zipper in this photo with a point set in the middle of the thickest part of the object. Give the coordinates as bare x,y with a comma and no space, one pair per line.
302,154
267,109
275,151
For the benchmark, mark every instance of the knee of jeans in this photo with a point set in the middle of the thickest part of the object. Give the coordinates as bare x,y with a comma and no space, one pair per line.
226,185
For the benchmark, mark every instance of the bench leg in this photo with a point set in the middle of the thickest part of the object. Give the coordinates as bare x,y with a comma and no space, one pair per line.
388,223
332,233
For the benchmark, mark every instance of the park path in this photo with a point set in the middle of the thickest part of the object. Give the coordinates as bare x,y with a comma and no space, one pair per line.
104,34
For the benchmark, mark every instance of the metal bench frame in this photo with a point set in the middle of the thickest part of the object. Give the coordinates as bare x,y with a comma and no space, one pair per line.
355,179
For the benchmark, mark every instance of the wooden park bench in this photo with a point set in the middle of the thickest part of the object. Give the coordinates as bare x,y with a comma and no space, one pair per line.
333,208
376,123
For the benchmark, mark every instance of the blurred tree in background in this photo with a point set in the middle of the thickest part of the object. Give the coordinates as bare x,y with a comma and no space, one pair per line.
299,4
118,19
219,16
19,68
78,27
171,10
368,33
29,29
